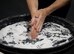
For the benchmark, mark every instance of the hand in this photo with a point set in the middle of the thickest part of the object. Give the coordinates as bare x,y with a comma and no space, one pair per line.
41,18
34,18
37,22
33,32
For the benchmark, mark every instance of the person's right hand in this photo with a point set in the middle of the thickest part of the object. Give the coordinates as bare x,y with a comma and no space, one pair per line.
33,31
34,18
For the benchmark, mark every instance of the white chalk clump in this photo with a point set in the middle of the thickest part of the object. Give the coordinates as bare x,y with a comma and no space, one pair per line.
51,35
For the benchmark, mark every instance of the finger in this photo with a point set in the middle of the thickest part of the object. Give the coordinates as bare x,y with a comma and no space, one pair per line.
33,33
36,15
39,27
33,21
38,22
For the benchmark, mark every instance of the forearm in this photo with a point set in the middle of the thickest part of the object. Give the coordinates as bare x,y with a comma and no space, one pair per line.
56,5
33,5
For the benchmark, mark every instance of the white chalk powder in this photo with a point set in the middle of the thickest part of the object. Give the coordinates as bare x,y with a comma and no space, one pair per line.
52,35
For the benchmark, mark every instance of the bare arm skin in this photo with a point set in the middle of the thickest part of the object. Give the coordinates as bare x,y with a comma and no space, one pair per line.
33,6
41,14
56,5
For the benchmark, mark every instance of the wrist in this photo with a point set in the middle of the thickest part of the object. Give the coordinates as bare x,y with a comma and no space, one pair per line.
46,11
49,10
33,12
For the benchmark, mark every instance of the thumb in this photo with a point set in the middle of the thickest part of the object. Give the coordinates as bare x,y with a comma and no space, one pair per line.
33,21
